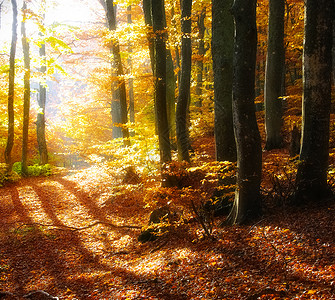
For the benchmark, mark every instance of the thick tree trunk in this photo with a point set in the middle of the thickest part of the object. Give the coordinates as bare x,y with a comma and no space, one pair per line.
275,61
157,12
26,94
247,204
183,142
222,53
11,88
312,171
199,63
119,83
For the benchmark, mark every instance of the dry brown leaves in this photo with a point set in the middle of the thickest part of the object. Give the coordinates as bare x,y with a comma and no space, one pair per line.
288,255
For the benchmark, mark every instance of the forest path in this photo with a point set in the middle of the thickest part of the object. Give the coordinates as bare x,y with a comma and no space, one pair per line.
288,255
39,248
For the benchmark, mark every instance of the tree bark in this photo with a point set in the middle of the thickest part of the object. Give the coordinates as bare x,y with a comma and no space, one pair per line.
222,53
247,203
130,80
11,88
157,12
40,123
183,142
333,56
170,77
274,72
119,83
26,94
312,171
199,63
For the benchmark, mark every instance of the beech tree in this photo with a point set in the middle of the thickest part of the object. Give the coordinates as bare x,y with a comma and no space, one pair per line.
11,88
40,122
26,95
275,61
247,203
183,141
170,77
312,171
222,53
159,58
201,51
119,84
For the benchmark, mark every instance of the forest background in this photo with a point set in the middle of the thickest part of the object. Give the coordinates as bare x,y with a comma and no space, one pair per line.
85,124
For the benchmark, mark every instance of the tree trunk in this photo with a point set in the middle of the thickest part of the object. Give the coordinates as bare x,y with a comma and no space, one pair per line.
247,203
334,49
199,63
119,83
222,53
157,12
312,171
130,80
40,123
170,77
183,142
275,61
11,88
26,94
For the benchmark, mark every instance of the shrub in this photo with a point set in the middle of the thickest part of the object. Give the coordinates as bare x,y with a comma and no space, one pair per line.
35,170
6,175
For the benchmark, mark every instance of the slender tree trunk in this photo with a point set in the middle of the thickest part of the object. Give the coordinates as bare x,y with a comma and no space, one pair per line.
247,203
119,84
157,12
334,49
170,77
183,143
26,94
222,53
130,80
199,63
312,171
40,123
275,61
150,36
11,88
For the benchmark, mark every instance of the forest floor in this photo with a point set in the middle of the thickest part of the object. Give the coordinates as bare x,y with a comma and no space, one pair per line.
74,235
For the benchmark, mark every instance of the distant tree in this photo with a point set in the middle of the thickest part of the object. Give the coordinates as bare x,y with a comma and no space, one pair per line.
11,88
119,84
222,53
183,141
247,203
312,171
159,55
274,72
26,95
40,123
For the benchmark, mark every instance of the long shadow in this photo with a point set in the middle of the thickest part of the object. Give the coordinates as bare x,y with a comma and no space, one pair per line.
19,207
84,199
46,199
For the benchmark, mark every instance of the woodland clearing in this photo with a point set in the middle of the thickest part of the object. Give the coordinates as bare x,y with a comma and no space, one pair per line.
68,234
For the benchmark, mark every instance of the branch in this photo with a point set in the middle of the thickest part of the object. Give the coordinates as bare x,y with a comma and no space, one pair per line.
65,227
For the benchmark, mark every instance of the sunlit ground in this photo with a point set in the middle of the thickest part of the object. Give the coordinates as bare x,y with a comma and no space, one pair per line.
47,243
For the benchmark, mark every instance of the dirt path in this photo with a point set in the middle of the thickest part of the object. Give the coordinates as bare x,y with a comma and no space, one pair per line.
36,255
